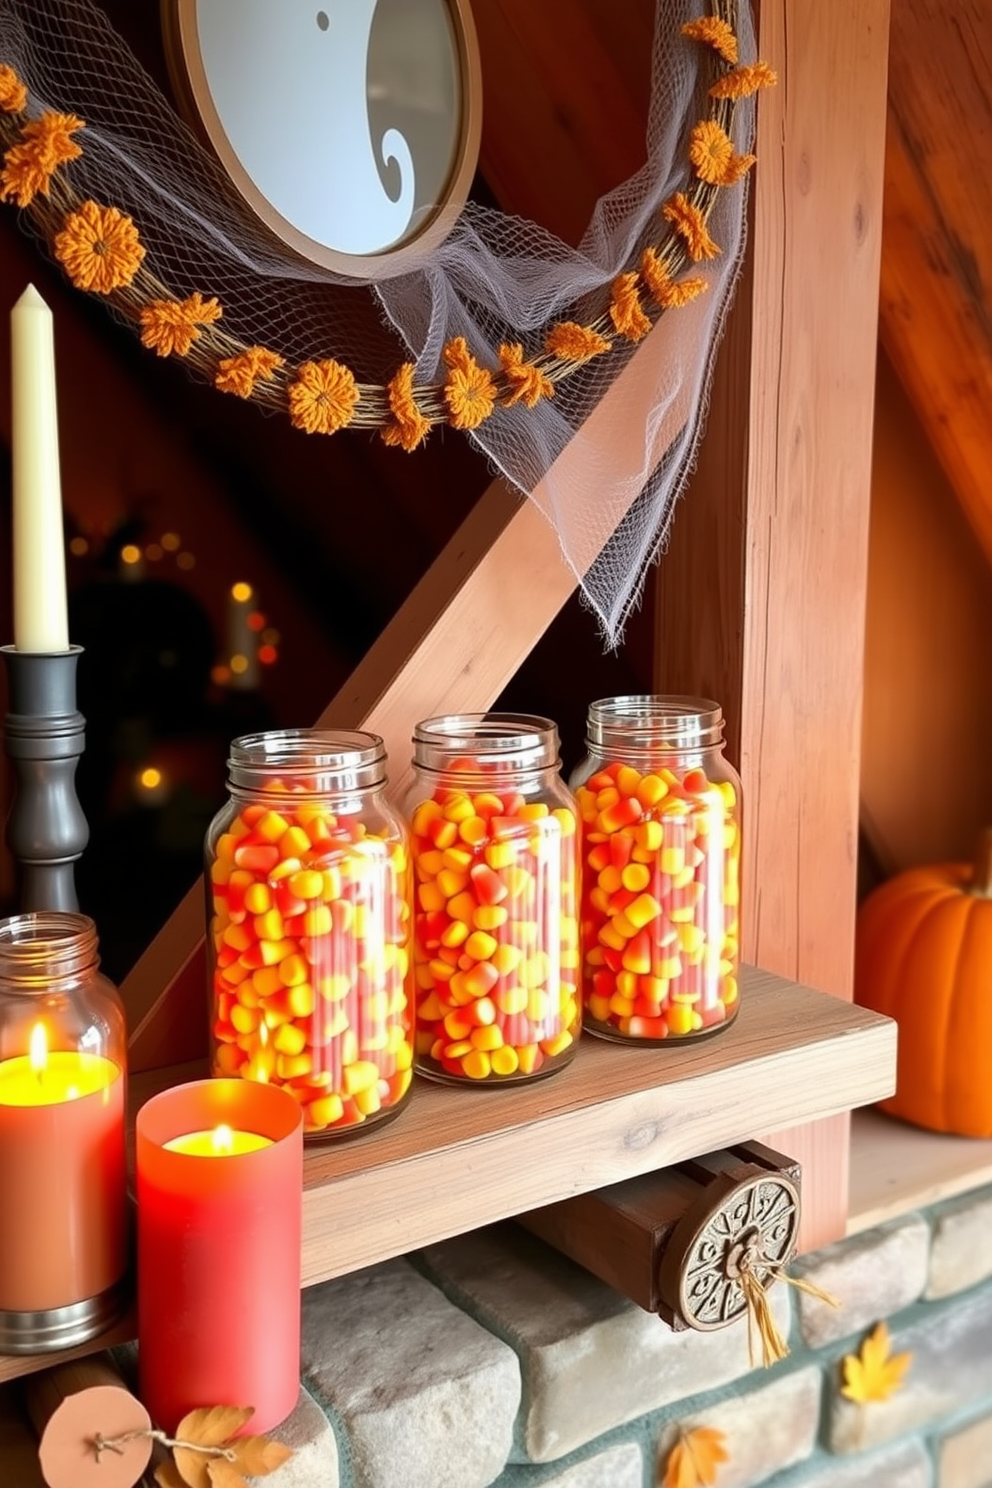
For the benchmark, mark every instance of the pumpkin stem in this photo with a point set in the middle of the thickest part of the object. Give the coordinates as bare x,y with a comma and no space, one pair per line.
981,874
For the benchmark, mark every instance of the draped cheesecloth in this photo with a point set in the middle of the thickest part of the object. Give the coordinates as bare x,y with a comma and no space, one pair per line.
497,278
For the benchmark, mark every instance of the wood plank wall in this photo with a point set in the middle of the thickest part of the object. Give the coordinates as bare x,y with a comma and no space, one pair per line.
762,595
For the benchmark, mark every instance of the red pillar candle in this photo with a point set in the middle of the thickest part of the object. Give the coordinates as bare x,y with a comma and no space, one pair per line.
219,1239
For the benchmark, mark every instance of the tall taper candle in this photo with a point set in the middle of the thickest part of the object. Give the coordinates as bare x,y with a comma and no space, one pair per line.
40,622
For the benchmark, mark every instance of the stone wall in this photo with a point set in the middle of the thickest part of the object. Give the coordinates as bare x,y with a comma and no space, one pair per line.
491,1359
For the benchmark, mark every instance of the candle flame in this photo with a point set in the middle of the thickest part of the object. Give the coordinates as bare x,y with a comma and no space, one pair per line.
38,1049
241,592
222,1140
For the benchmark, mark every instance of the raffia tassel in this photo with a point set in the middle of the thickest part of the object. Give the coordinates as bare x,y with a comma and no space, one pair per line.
760,1319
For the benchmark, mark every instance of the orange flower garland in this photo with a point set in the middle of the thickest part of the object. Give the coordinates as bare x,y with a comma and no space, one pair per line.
626,311
571,342
469,390
99,248
13,93
526,383
690,224
323,398
715,32
101,251
411,427
45,144
666,291
239,374
169,327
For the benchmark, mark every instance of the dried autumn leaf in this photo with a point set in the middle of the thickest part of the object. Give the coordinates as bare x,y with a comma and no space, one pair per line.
167,1475
208,1426
224,1474
875,1373
695,1458
256,1456
213,1425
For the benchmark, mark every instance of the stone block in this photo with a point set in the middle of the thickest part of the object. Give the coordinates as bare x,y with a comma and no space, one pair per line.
617,1467
591,1359
964,1456
905,1465
314,1463
767,1428
961,1246
951,1369
872,1275
425,1397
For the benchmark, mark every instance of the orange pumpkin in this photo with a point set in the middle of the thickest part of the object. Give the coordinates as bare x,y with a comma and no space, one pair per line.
924,957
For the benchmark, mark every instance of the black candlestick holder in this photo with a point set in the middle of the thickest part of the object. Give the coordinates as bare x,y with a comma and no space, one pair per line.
44,736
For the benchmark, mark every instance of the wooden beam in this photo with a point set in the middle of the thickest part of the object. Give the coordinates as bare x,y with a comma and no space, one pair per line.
762,593
936,288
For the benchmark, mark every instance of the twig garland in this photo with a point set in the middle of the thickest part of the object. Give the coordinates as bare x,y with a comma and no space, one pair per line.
101,252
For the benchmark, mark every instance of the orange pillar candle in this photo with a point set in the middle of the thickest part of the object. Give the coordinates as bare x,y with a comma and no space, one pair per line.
63,1238
219,1240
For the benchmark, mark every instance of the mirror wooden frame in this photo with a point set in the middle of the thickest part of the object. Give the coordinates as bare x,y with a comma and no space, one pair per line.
188,74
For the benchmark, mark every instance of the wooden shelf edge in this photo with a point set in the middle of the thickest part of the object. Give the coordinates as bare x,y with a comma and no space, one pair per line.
896,1167
456,1159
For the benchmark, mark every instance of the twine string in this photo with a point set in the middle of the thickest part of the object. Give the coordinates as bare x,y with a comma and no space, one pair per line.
760,1319
117,1444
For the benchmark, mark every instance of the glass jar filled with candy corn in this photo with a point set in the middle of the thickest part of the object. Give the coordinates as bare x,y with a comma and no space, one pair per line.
309,893
661,845
496,862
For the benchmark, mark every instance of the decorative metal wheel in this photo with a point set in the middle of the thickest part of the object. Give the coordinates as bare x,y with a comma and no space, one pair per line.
752,1227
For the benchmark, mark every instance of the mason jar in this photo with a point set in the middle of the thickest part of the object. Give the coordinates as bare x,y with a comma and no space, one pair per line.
309,912
64,1240
495,853
660,809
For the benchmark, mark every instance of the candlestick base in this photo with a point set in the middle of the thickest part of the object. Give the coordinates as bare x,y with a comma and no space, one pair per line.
62,1327
44,736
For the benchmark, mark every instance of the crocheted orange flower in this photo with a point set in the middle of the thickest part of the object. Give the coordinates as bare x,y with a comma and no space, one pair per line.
323,398
525,383
469,390
689,222
571,342
239,374
669,293
99,248
711,151
13,93
626,310
171,326
44,145
714,32
411,427
744,81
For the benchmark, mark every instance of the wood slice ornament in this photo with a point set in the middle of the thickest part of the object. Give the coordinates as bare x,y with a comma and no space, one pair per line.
75,1407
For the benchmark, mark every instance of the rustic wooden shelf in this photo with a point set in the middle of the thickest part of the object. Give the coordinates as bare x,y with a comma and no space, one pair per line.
896,1167
457,1159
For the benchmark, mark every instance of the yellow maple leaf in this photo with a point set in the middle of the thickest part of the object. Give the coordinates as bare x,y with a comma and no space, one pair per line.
875,1373
695,1458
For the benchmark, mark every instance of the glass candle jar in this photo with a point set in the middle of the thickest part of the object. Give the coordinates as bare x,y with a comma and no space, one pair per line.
660,809
495,852
63,1239
309,909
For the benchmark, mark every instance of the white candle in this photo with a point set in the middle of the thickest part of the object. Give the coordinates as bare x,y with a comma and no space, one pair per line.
40,622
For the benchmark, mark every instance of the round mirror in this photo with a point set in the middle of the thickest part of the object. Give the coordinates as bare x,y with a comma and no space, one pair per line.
350,127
